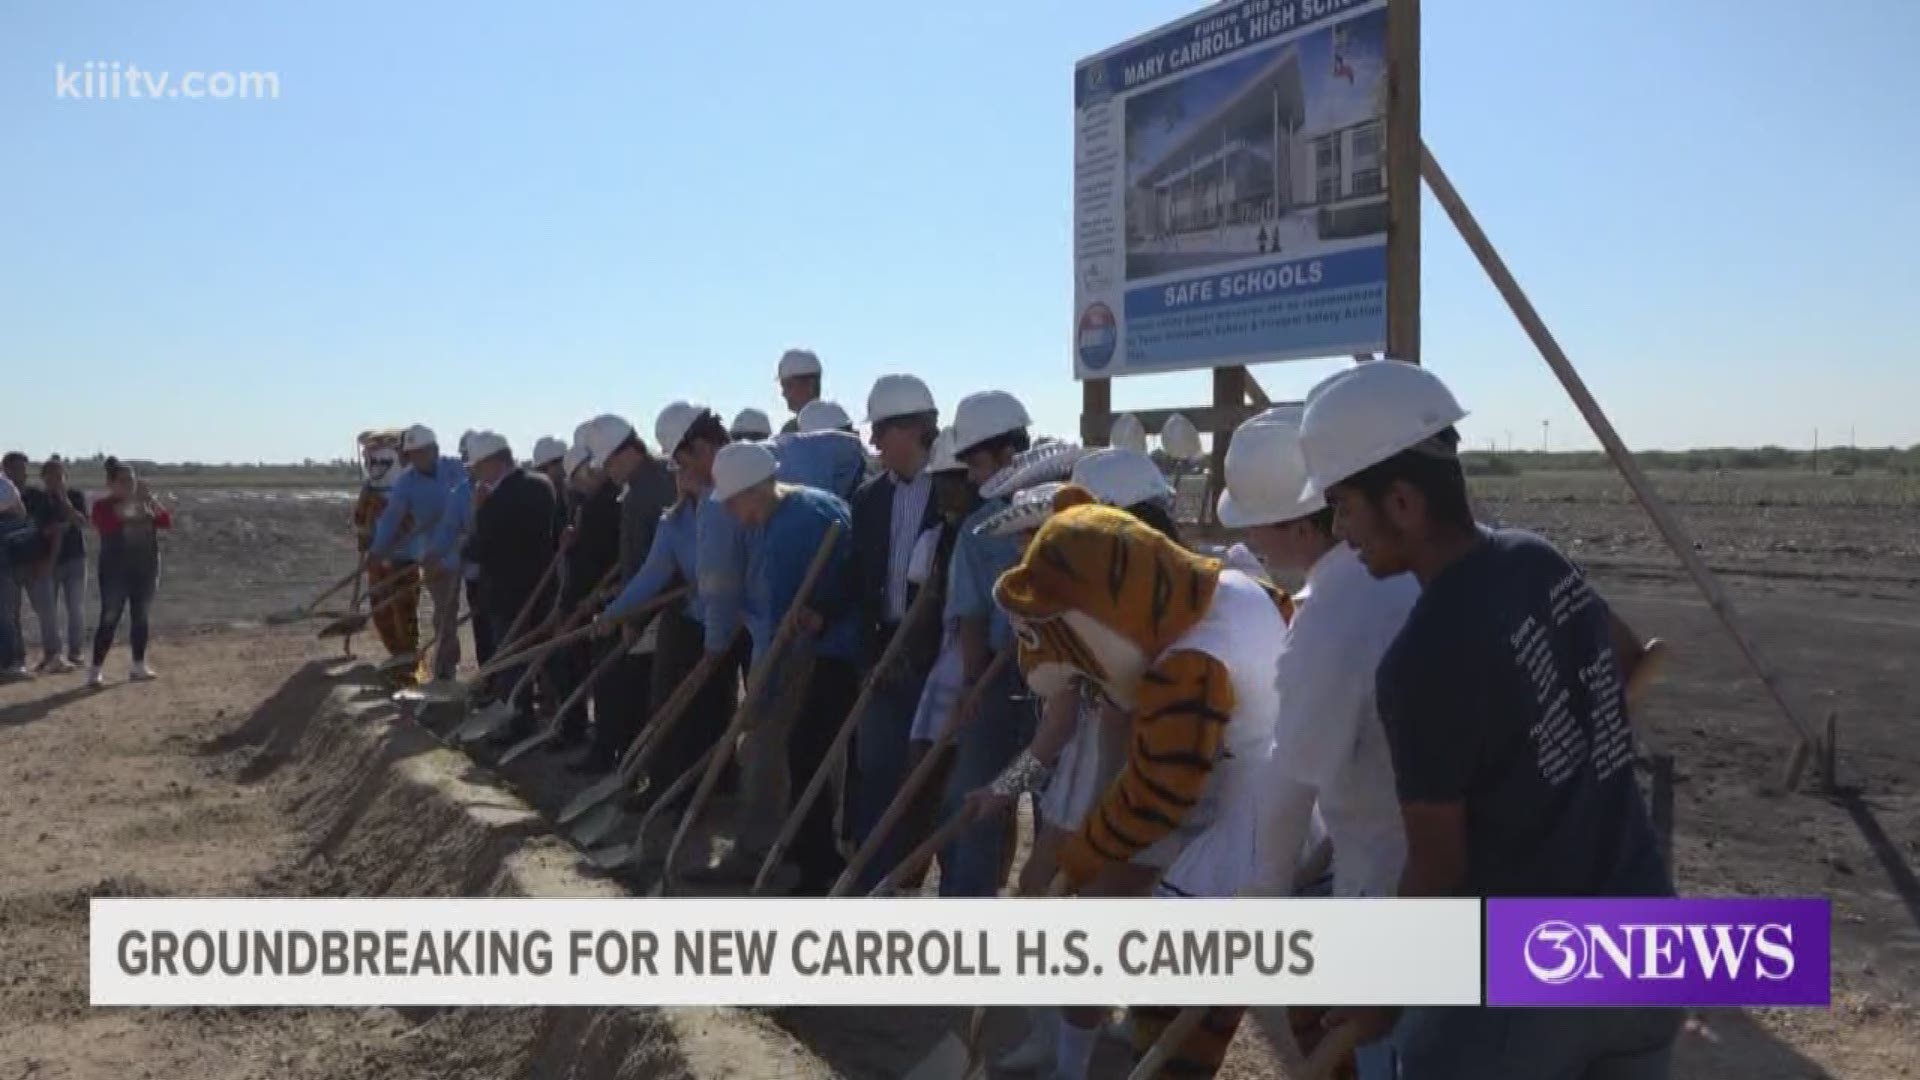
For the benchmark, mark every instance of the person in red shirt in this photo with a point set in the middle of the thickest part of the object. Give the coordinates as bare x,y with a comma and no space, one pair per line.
129,521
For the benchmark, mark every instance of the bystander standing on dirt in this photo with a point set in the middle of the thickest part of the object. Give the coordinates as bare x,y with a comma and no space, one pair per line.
16,531
32,562
129,521
69,561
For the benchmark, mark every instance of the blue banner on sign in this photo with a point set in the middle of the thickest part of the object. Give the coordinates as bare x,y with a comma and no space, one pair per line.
1208,36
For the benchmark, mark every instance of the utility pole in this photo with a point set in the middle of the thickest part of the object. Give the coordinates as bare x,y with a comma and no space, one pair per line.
1816,449
1545,446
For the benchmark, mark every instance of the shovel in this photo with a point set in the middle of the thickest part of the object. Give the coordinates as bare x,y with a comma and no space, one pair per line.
600,795
306,610
353,621
625,855
957,1057
757,680
923,605
551,729
439,691
511,639
496,716
917,779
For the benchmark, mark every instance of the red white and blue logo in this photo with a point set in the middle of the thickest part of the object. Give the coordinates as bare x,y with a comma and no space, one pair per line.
1098,336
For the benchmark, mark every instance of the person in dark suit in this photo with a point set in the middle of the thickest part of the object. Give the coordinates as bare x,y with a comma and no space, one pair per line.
890,514
511,542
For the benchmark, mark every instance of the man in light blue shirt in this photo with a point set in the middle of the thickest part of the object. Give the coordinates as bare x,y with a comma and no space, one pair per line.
699,543
787,526
989,429
829,460
429,490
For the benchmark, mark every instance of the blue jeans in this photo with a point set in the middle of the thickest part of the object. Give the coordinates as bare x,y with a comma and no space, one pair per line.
70,593
973,863
129,590
1536,1044
880,764
12,651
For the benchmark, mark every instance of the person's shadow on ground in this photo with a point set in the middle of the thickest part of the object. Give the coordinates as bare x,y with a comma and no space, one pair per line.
26,712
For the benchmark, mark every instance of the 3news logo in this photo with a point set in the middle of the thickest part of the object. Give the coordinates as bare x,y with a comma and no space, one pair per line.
1659,952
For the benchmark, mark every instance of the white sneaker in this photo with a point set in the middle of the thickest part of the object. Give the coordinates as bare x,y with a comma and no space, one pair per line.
94,678
142,673
1035,1052
62,665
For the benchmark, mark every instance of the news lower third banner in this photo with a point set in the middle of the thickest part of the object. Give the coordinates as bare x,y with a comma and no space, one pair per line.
783,952
1545,952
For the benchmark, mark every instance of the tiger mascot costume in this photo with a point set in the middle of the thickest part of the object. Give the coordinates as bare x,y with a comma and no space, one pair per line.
398,624
1188,649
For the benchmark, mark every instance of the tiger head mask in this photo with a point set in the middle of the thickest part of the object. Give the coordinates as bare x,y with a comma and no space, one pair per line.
1099,594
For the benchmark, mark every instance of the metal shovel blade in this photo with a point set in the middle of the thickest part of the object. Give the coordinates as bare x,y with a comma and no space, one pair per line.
599,824
346,668
396,662
484,722
620,856
531,743
346,624
600,791
947,1061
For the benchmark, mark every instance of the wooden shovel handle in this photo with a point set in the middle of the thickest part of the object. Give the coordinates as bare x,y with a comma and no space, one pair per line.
519,623
917,779
653,734
757,680
922,606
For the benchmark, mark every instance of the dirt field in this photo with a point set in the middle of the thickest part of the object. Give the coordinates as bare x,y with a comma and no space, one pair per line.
248,770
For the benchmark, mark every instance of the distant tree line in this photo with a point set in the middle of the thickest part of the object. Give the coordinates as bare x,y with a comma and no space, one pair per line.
1839,460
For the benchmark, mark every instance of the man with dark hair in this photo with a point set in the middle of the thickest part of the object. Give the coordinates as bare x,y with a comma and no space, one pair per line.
890,513
622,699
697,543
990,428
69,559
1505,714
16,533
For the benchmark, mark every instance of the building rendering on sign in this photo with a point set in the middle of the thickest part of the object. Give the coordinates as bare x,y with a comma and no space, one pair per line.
1249,177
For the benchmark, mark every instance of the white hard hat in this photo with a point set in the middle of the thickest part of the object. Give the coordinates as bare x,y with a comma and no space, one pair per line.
1366,414
739,466
1122,478
823,415
1180,439
898,395
986,415
548,449
1046,461
418,437
751,423
1128,434
576,456
670,429
1265,472
602,435
942,459
797,362
485,444
1029,510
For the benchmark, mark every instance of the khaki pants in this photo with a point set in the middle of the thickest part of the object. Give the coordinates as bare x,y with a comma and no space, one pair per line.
444,587
766,789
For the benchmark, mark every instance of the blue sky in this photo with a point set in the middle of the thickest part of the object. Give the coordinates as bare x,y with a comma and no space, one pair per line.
515,216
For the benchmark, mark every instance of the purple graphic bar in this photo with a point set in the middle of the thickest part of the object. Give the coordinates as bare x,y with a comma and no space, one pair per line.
1685,952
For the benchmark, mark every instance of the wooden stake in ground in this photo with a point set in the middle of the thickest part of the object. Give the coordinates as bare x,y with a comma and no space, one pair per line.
917,779
756,685
1669,526
923,606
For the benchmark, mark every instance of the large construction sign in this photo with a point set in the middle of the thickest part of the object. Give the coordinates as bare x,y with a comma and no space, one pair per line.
1231,195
